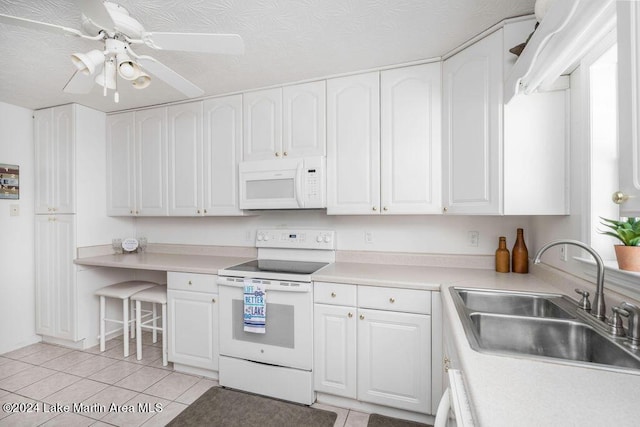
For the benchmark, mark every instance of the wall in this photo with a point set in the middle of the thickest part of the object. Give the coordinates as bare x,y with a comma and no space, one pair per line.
406,233
17,276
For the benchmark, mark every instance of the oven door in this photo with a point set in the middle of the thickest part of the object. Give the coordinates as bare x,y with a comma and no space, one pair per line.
289,324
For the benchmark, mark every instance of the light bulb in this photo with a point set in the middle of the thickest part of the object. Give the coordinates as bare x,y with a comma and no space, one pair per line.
127,71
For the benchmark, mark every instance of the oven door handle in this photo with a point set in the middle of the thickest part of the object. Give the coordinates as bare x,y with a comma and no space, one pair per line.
278,287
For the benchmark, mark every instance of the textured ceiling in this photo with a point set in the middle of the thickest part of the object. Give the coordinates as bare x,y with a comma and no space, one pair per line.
285,41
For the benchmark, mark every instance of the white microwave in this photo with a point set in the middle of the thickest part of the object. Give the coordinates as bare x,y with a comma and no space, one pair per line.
283,184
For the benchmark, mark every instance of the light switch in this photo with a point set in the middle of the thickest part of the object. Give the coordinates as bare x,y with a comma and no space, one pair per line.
14,210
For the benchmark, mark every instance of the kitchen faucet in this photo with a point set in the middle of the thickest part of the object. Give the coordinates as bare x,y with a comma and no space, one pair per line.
598,303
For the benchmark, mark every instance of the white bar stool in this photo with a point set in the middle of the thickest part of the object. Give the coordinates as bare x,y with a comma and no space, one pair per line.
122,291
155,295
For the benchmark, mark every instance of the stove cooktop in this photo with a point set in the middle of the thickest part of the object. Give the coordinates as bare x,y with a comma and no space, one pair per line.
277,266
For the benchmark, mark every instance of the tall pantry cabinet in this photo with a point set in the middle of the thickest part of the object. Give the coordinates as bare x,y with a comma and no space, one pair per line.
70,203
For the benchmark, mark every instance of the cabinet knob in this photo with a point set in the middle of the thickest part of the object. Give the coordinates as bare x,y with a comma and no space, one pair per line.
190,282
385,209
213,300
333,294
137,212
205,211
131,212
447,364
375,208
350,315
362,317
198,211
284,154
444,209
619,197
277,154
392,300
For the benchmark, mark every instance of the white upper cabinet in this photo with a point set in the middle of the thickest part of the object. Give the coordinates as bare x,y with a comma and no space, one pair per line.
304,127
54,132
263,124
353,144
628,110
137,163
493,154
384,143
222,155
184,124
410,140
285,122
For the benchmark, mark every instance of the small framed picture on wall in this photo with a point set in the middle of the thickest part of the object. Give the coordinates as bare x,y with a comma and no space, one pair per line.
9,181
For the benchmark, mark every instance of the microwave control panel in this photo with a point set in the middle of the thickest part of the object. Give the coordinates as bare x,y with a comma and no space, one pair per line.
314,183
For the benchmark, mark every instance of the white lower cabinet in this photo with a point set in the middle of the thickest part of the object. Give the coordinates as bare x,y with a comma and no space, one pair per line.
193,320
373,344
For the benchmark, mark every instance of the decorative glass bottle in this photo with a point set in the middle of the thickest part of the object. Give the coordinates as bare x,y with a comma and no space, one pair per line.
520,255
502,256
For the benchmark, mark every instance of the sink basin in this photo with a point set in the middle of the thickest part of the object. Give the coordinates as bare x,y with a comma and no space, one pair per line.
569,340
539,325
518,304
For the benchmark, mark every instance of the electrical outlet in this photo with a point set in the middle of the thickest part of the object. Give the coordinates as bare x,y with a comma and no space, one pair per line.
368,237
14,210
472,238
563,253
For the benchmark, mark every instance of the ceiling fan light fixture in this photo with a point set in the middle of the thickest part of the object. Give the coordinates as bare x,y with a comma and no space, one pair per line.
142,81
88,63
107,77
127,69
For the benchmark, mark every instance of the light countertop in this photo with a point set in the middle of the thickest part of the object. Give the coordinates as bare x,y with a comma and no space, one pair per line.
504,391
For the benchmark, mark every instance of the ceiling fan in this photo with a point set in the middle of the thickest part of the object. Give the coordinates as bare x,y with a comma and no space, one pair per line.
111,24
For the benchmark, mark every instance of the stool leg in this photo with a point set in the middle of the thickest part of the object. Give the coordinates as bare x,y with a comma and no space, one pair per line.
125,325
102,322
164,335
155,324
138,331
131,321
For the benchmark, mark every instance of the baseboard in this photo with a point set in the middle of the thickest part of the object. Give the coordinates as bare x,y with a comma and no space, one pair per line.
185,369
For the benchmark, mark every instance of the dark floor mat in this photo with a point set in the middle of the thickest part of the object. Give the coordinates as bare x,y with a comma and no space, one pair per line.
377,420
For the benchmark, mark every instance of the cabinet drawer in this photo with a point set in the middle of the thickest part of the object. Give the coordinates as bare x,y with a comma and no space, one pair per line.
334,293
394,299
192,282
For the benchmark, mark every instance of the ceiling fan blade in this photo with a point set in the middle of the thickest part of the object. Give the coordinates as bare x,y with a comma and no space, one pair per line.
169,76
96,11
231,44
79,83
37,25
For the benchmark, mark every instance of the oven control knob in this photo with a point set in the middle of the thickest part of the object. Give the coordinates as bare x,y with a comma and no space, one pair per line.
260,236
327,238
319,238
266,237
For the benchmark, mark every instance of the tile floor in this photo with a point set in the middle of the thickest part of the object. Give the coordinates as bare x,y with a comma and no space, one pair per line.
90,383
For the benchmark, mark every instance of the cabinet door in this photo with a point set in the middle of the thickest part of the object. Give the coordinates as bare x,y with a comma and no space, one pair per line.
222,154
410,140
64,159
304,132
394,359
335,350
120,167
151,162
193,329
56,300
44,158
353,145
184,123
629,108
262,115
472,128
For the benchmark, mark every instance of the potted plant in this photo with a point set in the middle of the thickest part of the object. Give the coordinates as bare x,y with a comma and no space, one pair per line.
627,232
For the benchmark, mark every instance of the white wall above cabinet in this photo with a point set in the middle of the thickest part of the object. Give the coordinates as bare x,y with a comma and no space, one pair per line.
285,122
383,151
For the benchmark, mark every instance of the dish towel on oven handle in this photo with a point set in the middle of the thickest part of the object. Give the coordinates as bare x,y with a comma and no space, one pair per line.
255,307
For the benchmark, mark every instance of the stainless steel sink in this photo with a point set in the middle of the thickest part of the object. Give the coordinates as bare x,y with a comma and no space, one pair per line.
514,303
539,325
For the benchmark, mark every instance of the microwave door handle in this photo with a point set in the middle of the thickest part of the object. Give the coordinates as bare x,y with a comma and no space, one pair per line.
299,198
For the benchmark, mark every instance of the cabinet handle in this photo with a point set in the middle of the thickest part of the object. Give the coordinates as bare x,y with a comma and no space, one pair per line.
137,212
350,315
213,300
190,282
205,211
619,197
333,294
277,154
392,300
444,210
284,154
385,209
374,208
362,317
131,212
198,211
